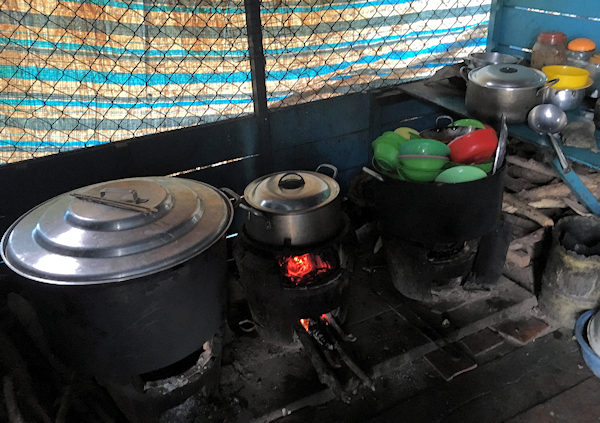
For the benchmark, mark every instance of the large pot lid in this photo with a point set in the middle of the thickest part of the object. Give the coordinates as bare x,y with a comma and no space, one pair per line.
291,192
507,76
116,230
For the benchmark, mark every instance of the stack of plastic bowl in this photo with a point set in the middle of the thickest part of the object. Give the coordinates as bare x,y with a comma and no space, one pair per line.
422,159
386,148
403,154
569,91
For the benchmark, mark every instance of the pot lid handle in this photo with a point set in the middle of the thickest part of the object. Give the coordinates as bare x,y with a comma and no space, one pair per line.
104,200
334,171
291,180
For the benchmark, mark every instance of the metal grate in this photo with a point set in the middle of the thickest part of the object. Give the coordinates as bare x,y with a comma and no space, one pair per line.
78,73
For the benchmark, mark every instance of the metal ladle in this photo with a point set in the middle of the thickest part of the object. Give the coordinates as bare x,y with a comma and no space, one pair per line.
550,119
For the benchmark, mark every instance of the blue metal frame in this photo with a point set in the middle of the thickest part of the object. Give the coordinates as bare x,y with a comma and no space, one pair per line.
577,187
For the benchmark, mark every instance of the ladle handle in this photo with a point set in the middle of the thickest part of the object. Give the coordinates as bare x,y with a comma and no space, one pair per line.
559,153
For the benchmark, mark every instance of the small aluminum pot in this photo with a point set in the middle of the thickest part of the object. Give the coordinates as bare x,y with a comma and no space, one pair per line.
294,208
565,99
496,90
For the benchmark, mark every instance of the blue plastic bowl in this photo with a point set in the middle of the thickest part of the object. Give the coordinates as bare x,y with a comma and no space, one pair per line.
589,356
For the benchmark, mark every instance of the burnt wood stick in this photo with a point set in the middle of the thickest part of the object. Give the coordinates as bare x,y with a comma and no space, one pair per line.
326,376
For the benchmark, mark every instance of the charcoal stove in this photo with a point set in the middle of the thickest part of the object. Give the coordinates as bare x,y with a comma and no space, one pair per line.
144,398
436,235
285,284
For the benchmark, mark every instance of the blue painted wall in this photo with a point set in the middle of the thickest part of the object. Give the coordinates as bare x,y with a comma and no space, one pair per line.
515,24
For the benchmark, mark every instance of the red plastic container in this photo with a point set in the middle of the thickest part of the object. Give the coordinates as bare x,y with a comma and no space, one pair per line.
475,147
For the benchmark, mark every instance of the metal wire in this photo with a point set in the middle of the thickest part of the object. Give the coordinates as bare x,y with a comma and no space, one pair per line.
78,73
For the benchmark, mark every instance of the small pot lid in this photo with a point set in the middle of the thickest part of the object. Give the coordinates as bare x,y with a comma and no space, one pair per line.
116,230
507,76
291,192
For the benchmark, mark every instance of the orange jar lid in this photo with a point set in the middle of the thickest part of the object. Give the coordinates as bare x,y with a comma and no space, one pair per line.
581,44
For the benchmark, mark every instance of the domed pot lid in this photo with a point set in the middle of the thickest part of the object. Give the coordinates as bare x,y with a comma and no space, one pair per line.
116,230
507,76
291,192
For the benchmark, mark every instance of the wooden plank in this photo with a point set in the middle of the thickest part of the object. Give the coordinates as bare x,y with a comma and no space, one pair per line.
406,112
577,404
162,154
235,175
343,152
580,8
496,9
319,120
499,389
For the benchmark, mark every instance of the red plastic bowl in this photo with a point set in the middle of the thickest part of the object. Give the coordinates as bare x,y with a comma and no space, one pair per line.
475,147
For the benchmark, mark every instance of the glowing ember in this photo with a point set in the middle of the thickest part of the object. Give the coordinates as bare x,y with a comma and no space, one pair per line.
308,265
305,323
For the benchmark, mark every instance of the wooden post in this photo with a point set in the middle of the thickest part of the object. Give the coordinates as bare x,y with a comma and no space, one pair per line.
259,89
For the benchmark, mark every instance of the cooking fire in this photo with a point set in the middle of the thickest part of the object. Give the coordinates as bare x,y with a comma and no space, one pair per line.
304,269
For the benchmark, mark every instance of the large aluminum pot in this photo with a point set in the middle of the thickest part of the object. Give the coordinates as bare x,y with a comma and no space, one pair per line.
293,208
501,89
127,276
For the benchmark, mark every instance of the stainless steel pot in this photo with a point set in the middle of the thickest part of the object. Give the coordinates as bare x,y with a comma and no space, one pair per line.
509,90
127,276
294,208
565,99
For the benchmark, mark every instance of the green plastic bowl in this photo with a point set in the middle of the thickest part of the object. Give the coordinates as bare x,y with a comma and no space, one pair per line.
424,146
468,122
422,163
386,156
486,166
418,174
458,174
390,138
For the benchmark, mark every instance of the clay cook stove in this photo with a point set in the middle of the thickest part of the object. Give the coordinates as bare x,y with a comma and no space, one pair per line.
286,284
290,251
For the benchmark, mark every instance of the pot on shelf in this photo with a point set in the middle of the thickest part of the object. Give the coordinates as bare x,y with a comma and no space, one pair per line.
127,276
503,89
293,208
476,60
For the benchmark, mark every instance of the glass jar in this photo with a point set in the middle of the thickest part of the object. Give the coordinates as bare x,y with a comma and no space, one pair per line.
597,114
549,49
579,52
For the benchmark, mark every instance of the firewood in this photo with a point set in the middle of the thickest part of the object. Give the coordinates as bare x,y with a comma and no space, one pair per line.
516,184
527,243
559,189
530,175
518,258
548,203
511,204
531,165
